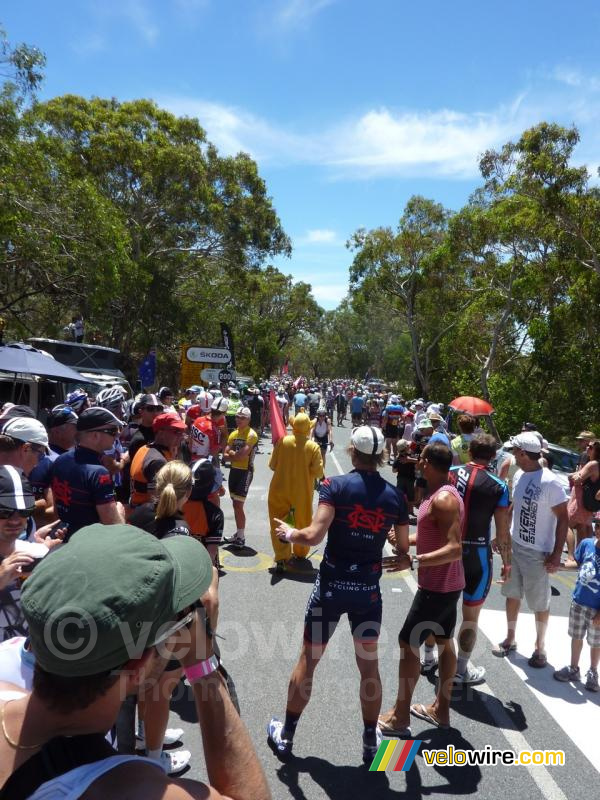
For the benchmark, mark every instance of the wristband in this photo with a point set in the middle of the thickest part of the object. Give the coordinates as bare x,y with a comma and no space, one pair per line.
201,669
288,534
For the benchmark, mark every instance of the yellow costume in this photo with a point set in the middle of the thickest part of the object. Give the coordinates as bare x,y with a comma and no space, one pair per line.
296,463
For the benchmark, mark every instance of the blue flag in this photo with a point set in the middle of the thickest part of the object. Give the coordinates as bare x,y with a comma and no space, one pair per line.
147,370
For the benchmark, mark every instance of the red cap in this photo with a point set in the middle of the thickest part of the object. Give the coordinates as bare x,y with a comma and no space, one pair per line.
167,422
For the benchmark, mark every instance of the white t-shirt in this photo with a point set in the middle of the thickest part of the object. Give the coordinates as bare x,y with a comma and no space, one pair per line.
535,494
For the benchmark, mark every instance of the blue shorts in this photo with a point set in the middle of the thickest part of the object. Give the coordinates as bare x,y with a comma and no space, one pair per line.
477,562
362,605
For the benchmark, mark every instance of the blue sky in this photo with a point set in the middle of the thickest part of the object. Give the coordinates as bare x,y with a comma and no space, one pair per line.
348,106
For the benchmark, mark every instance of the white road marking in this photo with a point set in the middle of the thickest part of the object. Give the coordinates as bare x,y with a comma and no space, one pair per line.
540,775
573,708
396,589
337,463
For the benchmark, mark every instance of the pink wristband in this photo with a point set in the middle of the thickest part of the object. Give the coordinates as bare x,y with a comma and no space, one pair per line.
202,669
288,534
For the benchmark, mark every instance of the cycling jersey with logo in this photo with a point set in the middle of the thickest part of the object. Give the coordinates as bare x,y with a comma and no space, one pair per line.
79,484
239,439
204,438
40,477
392,415
366,507
482,493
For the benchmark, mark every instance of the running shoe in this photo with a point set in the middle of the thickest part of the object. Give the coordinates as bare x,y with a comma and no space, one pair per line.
567,674
235,541
471,676
175,761
283,747
591,680
428,666
172,736
370,750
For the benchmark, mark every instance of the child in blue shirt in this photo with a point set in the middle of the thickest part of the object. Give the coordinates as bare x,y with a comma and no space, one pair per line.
584,615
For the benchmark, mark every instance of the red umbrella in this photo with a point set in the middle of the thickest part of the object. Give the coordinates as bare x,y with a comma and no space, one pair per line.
472,405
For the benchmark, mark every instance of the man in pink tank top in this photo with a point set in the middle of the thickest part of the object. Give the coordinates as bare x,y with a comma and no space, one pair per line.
441,580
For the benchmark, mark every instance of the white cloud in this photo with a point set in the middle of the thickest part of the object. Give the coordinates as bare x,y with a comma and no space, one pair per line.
89,45
319,236
574,78
138,14
329,295
294,13
385,142
378,142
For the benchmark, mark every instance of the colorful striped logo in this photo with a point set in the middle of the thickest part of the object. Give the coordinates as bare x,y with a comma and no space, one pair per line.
403,750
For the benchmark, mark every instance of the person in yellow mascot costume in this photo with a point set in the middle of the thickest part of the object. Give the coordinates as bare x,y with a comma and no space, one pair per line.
296,463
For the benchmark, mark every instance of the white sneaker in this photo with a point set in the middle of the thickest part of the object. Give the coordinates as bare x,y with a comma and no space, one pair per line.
471,675
174,761
172,735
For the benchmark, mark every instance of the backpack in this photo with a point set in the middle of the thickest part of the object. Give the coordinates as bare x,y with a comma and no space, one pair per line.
589,490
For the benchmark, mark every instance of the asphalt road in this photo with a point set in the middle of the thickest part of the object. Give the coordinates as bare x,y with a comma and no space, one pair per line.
518,708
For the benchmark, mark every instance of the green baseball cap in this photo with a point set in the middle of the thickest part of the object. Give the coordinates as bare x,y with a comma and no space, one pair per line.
108,595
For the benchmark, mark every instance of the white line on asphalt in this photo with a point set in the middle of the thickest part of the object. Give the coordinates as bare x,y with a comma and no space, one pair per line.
396,589
545,782
337,463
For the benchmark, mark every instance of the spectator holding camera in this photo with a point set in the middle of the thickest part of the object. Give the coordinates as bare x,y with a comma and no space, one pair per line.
54,737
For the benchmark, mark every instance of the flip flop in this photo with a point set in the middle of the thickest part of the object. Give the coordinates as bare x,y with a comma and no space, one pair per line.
386,728
504,648
419,710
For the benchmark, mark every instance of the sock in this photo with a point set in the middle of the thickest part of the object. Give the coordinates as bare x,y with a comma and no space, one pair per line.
155,754
429,650
461,664
241,533
289,726
369,735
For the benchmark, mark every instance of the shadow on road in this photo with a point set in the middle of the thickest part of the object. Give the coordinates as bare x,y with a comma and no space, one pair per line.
340,782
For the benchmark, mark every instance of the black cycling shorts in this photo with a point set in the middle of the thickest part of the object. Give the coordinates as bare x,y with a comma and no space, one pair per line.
431,612
391,432
406,485
323,614
239,483
477,561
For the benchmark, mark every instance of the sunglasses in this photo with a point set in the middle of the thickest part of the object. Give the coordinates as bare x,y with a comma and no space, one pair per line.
24,513
108,431
184,622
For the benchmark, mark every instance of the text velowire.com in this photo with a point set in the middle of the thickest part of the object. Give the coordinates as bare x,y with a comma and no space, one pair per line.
455,757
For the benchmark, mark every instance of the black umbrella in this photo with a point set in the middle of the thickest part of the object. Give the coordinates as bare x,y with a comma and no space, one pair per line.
27,360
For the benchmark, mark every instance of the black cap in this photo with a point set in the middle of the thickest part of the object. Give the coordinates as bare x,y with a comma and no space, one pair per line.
61,415
149,400
15,491
529,426
18,411
164,392
204,474
94,418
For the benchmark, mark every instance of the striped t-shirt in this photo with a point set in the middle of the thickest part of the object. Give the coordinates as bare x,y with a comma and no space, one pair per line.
445,577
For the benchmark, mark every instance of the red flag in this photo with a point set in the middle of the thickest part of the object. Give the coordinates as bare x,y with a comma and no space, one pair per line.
278,429
286,367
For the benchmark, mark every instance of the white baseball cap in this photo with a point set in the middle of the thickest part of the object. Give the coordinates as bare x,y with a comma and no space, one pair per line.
527,441
26,429
243,412
367,439
221,404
